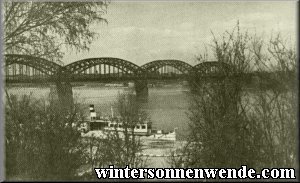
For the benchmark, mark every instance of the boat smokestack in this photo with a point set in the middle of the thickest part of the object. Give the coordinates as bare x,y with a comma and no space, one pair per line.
92,112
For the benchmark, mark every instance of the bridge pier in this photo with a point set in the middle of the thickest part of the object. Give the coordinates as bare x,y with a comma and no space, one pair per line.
62,92
141,89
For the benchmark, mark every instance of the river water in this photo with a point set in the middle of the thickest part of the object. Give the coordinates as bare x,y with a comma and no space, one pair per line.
167,105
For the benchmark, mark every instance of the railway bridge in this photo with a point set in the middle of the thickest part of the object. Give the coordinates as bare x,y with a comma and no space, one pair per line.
30,69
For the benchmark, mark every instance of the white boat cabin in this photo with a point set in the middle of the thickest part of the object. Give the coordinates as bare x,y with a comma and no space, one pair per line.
114,123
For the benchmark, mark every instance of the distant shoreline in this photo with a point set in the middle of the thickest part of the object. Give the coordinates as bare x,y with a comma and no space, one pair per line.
96,84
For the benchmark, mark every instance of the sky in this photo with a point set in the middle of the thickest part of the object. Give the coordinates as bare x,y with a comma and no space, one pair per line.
143,31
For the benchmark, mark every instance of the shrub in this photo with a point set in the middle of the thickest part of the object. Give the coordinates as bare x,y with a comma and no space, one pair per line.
42,142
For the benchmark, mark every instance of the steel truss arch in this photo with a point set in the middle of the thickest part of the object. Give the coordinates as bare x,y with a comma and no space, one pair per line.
205,69
178,64
45,66
124,65
211,68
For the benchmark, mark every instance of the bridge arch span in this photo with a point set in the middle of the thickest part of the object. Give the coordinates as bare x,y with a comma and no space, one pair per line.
124,65
178,64
211,68
45,66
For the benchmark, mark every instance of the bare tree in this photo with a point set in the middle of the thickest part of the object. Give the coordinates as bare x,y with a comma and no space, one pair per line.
42,29
218,123
247,116
120,148
131,114
275,106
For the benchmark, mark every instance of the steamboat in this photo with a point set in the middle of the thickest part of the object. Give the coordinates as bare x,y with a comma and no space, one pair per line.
97,126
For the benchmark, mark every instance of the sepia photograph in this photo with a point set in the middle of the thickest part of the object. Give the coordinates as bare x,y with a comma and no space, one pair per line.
120,90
